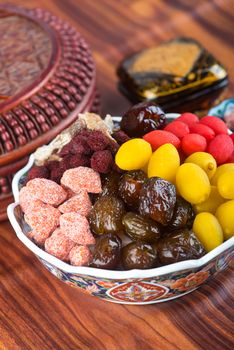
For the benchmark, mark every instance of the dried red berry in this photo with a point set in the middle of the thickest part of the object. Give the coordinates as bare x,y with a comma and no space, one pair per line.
102,161
97,141
120,136
78,160
38,172
53,164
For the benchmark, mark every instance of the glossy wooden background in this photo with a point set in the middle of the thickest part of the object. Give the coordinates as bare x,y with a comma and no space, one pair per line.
36,310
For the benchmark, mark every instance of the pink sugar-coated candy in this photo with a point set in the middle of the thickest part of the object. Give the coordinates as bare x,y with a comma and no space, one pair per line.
40,236
43,219
59,245
80,204
82,178
76,227
25,199
47,191
30,235
70,193
80,255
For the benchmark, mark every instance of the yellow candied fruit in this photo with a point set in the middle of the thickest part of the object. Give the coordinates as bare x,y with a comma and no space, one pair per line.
226,185
225,216
192,183
208,230
164,162
212,202
133,154
221,170
204,160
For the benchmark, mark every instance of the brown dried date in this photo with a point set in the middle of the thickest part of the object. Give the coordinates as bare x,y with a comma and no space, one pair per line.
139,255
178,246
107,252
130,186
157,200
139,228
106,215
183,215
142,118
110,184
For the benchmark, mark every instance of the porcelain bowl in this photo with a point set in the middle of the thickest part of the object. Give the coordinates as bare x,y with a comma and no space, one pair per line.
126,287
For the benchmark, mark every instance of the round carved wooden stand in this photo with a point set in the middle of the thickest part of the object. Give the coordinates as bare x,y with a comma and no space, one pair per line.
47,77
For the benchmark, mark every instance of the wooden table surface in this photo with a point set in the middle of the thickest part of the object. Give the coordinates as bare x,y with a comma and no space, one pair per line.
37,311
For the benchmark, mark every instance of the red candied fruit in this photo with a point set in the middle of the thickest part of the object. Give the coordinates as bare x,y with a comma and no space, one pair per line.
38,172
231,158
80,255
120,136
188,118
102,161
178,128
158,138
221,148
215,124
97,141
232,137
193,143
203,130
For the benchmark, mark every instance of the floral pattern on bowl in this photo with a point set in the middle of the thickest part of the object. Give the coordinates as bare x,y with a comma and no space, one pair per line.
144,290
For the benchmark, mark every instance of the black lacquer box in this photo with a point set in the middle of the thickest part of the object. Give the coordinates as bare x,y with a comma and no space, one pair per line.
179,75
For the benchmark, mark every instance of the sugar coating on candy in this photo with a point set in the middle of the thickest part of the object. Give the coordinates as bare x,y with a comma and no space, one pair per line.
26,199
47,191
40,236
43,219
76,228
80,255
70,193
82,178
59,245
30,234
80,203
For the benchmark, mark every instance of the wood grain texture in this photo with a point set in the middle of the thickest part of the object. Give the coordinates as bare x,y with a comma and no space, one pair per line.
39,312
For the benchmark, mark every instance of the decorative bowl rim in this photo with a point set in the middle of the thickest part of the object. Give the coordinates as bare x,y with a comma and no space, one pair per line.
101,273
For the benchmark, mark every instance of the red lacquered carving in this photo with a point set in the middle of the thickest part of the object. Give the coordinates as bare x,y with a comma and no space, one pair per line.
47,77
